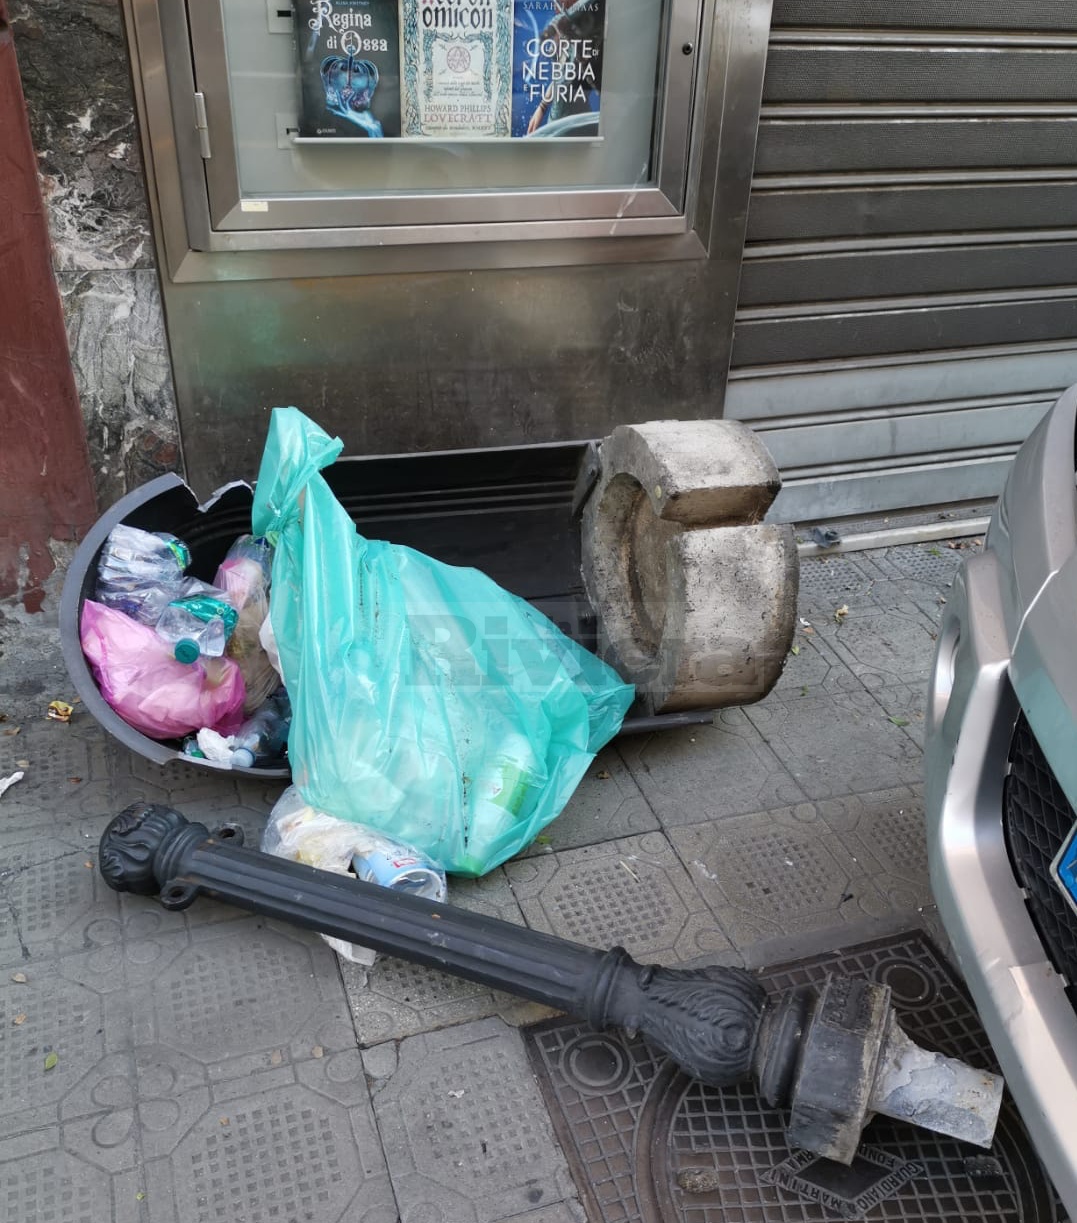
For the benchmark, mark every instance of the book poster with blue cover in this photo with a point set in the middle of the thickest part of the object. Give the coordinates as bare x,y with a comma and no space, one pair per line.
557,68
457,68
349,68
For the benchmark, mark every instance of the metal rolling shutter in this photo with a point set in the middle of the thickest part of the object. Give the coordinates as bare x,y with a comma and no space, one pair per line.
908,300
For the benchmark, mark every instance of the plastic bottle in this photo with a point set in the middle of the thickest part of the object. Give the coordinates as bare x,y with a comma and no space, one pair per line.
197,626
501,792
244,573
264,734
244,577
140,572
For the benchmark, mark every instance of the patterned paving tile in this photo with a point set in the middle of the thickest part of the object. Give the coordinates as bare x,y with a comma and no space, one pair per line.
466,1135
704,772
632,892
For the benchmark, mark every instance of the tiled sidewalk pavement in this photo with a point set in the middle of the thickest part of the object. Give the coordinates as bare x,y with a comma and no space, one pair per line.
212,1067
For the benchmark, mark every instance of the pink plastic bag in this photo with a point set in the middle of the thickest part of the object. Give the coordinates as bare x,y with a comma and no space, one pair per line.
148,688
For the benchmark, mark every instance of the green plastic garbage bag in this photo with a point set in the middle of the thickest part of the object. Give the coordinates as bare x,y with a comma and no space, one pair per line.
427,702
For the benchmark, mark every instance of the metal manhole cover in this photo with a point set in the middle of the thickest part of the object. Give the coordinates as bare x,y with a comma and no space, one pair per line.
649,1145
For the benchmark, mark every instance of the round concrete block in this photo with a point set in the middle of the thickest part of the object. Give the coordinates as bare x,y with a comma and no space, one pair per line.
697,612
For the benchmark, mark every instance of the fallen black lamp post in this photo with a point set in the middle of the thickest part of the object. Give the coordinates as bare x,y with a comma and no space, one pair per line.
833,1057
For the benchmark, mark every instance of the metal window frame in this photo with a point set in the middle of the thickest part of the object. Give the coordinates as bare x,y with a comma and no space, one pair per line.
697,207
395,218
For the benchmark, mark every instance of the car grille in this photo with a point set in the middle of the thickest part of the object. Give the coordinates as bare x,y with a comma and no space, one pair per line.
1038,818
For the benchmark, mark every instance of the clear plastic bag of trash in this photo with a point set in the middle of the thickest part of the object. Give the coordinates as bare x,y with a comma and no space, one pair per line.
297,831
244,577
428,702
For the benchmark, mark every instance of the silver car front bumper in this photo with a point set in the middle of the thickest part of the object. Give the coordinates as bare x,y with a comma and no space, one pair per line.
991,652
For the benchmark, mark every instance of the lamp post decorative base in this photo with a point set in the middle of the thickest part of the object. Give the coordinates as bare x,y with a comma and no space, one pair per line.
832,1057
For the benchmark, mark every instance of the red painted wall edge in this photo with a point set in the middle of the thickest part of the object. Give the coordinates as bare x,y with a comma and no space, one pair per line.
46,489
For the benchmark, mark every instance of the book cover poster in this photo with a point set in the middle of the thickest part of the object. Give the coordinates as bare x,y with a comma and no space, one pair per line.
349,68
457,68
557,67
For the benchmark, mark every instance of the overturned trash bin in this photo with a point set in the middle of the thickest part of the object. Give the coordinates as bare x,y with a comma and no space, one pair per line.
543,523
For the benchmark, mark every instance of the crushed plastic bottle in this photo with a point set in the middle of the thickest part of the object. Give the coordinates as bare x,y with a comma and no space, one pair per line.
140,572
262,738
197,627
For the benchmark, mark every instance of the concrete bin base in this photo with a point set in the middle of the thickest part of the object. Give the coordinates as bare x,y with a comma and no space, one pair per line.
696,597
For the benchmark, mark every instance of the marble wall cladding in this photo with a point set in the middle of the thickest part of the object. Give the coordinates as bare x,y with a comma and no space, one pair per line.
115,332
76,81
75,77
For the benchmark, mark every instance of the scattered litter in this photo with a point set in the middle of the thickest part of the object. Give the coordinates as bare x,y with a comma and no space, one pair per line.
603,775
455,1095
59,711
19,978
699,1180
74,780
630,870
825,537
804,623
317,1051
215,746
788,861
276,1057
899,721
7,782
795,649
841,612
88,864
22,764
224,1120
703,871
847,896
12,730
140,1196
50,1060
301,834
19,1020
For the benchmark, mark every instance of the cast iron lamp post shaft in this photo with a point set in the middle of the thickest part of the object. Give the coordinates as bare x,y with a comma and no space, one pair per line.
553,971
833,1056
150,849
